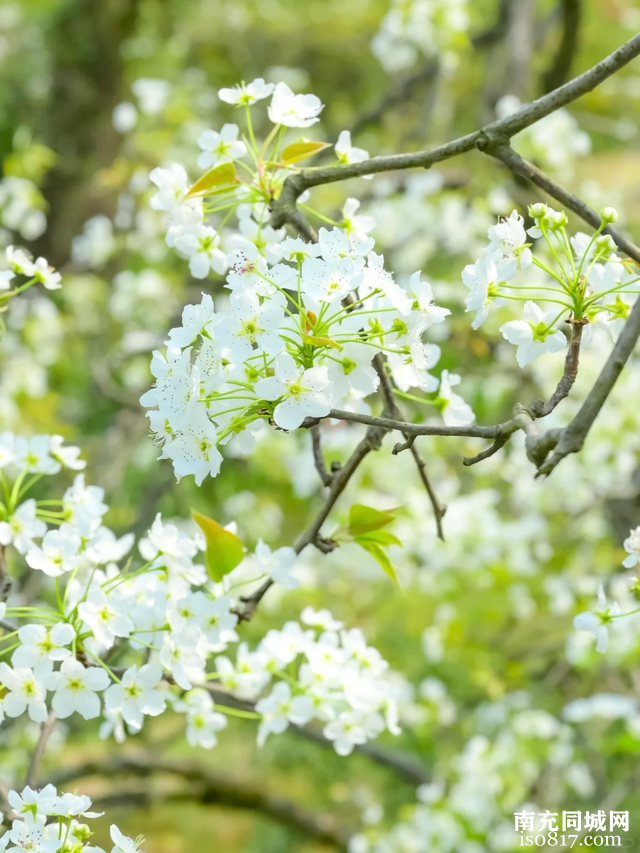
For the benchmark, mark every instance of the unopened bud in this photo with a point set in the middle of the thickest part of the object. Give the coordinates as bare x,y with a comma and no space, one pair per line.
609,214
557,219
538,210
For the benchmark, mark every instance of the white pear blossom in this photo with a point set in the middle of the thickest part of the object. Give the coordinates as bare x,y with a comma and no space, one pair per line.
220,147
26,693
277,564
281,708
632,547
59,552
122,843
106,617
508,247
293,110
534,335
34,804
34,454
598,621
346,732
138,694
181,655
246,93
76,689
201,246
347,153
250,326
46,274
203,721
302,392
455,411
482,279
41,647
22,527
19,261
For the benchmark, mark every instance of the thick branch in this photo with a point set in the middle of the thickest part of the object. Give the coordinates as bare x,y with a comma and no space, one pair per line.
210,788
500,131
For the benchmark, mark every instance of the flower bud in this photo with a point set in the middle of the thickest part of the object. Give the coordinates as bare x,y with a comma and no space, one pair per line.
609,214
538,210
557,219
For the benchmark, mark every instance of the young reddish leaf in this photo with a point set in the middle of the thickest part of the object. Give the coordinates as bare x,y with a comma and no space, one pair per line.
224,548
321,342
220,179
298,151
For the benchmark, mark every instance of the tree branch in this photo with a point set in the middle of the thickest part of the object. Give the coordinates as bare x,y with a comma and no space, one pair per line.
394,410
570,373
498,132
210,788
5,581
516,164
318,456
572,437
45,733
558,71
371,441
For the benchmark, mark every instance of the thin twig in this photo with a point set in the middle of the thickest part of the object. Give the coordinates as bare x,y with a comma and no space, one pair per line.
311,536
570,373
45,733
5,581
318,456
391,405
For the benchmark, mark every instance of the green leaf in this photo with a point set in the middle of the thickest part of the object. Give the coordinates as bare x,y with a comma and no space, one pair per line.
380,555
224,548
382,537
363,519
220,179
298,151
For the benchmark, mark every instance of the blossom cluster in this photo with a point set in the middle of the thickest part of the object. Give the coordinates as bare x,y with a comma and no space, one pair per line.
582,274
45,821
305,320
165,620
